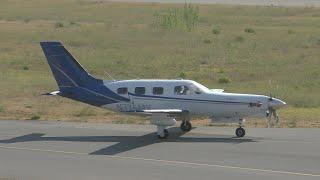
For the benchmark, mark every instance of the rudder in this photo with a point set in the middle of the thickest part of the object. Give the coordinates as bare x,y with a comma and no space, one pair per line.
65,68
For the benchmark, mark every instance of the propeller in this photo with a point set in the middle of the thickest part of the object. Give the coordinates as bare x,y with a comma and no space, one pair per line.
272,112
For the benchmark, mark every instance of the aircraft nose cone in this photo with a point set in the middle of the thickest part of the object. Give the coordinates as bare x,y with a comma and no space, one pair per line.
276,103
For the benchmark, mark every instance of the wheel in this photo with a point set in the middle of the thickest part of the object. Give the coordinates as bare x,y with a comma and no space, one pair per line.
165,134
240,132
186,126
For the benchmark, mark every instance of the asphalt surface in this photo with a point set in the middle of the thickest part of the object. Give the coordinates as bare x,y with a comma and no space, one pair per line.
309,3
57,150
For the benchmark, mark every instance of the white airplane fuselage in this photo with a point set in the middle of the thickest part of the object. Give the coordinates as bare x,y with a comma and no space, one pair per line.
220,106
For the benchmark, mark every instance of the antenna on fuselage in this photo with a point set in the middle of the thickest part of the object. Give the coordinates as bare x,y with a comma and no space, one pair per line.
109,75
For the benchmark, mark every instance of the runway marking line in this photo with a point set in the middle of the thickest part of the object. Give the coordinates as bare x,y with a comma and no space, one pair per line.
169,161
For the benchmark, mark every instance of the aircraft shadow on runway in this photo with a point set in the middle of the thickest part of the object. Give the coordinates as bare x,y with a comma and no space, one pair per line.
127,143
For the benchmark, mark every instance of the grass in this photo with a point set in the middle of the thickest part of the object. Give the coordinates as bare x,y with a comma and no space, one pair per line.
281,56
185,18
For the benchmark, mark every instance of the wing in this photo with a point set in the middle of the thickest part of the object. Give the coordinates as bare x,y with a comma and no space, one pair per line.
159,111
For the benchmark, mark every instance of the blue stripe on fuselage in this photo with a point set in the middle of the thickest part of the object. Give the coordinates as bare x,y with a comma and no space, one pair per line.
188,99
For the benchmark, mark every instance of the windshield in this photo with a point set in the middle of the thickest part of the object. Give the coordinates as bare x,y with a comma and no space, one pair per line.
199,88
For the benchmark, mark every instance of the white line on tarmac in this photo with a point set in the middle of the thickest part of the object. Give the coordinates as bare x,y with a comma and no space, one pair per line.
173,162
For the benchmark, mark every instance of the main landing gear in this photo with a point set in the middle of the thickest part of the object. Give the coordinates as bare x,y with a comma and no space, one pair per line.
162,132
240,132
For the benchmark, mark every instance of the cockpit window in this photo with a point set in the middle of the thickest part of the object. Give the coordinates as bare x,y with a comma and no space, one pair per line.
181,90
199,88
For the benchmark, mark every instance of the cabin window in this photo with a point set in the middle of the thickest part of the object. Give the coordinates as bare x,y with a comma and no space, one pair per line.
181,90
158,90
122,90
140,90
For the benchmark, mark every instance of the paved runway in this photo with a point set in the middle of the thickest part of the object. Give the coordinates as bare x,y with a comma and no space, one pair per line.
313,3
57,150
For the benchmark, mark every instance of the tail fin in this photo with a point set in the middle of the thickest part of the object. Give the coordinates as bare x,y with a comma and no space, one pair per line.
65,68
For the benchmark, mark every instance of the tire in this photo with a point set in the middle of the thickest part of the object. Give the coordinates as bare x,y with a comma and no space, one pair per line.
186,126
240,132
166,134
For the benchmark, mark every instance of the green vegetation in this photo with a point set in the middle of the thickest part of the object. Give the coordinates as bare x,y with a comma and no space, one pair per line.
224,79
207,41
185,18
122,39
290,32
1,109
58,25
216,31
183,75
249,30
239,39
35,117
25,67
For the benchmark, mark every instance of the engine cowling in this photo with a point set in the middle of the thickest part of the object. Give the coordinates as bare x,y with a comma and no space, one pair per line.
162,120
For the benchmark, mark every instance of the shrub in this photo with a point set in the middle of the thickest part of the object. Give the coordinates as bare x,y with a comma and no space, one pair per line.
25,67
26,20
290,32
35,117
182,75
221,71
203,62
249,30
224,80
1,109
216,31
207,41
239,39
58,25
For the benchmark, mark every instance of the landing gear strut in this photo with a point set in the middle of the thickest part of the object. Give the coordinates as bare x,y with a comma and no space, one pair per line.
240,132
162,132
185,126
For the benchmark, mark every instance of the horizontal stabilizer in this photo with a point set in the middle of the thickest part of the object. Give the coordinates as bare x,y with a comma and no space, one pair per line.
54,93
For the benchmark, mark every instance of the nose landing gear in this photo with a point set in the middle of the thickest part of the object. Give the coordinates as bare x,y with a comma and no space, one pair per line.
240,132
185,126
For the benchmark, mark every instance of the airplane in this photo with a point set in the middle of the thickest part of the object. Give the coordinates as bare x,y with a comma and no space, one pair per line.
165,100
